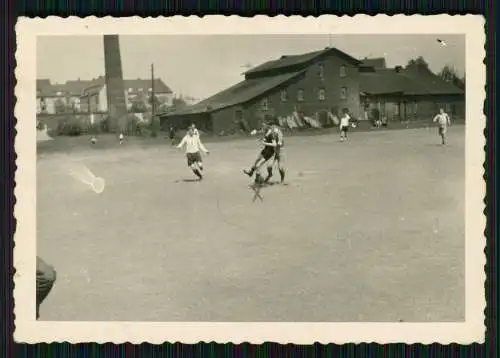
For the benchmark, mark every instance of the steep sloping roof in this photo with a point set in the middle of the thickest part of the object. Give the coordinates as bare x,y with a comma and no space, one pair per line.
296,60
406,82
145,84
378,62
75,88
239,93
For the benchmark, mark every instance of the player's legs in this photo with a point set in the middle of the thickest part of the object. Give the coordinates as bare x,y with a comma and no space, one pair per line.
281,165
270,166
442,135
192,163
262,158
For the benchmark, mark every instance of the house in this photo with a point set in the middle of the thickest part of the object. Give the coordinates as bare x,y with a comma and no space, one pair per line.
135,89
410,93
94,99
311,83
75,95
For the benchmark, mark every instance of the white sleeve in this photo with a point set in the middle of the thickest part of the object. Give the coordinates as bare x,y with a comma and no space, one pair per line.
182,142
202,146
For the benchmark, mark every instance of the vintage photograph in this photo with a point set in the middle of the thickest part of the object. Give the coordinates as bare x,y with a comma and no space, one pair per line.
314,177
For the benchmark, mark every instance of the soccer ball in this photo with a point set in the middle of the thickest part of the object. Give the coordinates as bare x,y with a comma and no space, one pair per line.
93,140
254,132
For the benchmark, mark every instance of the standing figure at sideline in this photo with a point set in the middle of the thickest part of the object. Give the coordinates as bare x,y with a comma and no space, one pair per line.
269,142
171,134
344,125
45,278
443,122
279,155
193,146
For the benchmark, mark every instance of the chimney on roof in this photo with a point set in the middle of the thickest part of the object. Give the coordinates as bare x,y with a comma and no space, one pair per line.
398,68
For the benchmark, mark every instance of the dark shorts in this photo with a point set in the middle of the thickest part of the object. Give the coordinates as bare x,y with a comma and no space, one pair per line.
344,128
267,153
442,130
279,153
193,158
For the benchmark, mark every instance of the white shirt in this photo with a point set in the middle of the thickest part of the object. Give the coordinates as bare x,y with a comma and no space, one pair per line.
443,119
344,121
193,144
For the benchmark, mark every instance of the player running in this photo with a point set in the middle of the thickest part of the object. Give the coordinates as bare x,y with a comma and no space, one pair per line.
193,146
444,122
270,143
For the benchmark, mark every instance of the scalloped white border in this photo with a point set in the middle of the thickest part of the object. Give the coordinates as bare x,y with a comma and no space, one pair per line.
31,331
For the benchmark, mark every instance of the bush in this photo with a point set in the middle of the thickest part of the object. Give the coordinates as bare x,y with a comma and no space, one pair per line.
71,126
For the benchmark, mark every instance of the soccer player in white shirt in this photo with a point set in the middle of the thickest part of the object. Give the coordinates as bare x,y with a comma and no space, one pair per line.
344,125
444,122
193,146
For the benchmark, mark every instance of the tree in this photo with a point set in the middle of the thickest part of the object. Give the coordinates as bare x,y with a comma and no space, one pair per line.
418,63
60,106
138,107
177,104
449,74
155,99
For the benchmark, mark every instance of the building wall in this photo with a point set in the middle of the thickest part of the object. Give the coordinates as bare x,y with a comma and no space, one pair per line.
311,83
224,121
50,104
417,107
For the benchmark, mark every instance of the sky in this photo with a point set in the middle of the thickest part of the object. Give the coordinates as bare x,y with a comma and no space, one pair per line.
200,66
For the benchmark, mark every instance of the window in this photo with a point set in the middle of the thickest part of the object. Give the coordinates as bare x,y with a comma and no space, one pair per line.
321,71
130,90
150,89
343,93
59,93
343,71
265,104
300,95
140,90
284,95
321,94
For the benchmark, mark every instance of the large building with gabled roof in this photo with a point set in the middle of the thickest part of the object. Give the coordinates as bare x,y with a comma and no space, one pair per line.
325,80
318,83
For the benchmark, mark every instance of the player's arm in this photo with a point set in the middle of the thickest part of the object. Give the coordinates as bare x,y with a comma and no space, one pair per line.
280,138
269,144
435,118
202,147
183,141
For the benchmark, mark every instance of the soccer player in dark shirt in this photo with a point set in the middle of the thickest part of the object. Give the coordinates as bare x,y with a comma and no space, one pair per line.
265,154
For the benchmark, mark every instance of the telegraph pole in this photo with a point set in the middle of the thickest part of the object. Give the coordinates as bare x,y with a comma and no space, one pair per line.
153,104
